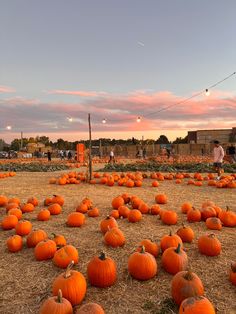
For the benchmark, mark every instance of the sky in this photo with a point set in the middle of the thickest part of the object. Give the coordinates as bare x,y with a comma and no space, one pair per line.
117,60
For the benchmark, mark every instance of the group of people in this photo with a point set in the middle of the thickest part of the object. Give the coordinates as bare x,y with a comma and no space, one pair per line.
65,154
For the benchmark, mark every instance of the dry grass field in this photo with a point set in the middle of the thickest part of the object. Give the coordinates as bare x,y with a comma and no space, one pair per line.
25,283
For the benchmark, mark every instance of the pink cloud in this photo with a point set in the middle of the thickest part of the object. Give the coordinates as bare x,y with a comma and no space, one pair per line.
6,89
77,93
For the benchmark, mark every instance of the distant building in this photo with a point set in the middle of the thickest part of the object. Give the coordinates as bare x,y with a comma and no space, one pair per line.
39,147
207,136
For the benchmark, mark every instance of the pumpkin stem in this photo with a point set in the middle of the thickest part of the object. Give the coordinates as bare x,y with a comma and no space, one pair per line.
59,296
102,256
108,217
68,269
54,235
142,249
189,275
212,235
233,267
170,234
227,208
178,248
183,225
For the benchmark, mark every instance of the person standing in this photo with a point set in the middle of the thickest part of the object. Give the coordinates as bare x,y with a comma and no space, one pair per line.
112,157
232,153
218,155
144,153
49,155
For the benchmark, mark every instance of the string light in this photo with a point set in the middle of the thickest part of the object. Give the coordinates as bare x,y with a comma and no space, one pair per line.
138,119
104,121
70,119
207,92
8,127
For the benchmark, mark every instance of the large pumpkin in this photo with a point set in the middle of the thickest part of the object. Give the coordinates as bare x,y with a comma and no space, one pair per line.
35,237
75,219
196,305
56,305
23,227
65,255
45,250
209,245
186,284
114,237
171,240
228,218
142,265
72,284
186,234
117,202
102,271
174,260
169,217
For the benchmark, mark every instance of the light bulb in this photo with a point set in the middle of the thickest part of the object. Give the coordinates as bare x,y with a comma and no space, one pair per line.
138,119
8,127
104,121
207,92
70,119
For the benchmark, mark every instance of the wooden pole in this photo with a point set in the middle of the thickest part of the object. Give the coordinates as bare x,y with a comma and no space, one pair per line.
21,140
90,148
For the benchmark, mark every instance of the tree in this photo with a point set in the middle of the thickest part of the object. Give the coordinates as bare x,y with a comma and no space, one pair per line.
162,140
180,140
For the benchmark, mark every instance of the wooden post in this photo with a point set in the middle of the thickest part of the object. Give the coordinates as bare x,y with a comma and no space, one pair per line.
90,148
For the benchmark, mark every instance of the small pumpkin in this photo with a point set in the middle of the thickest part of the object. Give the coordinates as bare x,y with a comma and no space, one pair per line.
144,208
27,208
90,308
123,211
186,207
209,245
9,222
57,199
186,234
33,200
107,224
213,223
114,213
174,260
3,200
194,215
169,217
43,215
35,237
142,265
232,273
55,209
186,284
117,202
150,247
207,212
101,271
72,284
14,243
59,239
14,200
161,199
134,215
75,219
114,237
15,211
65,255
94,212
196,305
228,218
171,240
45,250
23,227
56,305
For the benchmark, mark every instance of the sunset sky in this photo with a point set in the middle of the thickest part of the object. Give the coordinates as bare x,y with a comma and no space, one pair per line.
117,60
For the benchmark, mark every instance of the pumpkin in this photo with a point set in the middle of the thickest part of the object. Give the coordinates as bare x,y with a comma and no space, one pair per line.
14,200
27,208
114,237
117,202
171,240
196,305
130,184
144,208
9,222
114,213
142,265
56,305
123,211
15,211
155,209
214,223
43,215
186,207
174,260
94,212
65,255
82,208
55,209
161,199
45,250
169,217
135,202
90,308
3,200
35,237
14,243
228,218
57,199
194,215
101,271
186,234
207,212
186,284
23,227
11,205
33,201
134,215
150,247
107,224
232,273
126,197
59,240
75,219
155,184
47,201
72,284
209,245
207,204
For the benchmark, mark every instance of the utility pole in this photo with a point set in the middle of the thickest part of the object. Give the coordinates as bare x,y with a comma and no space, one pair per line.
21,140
90,148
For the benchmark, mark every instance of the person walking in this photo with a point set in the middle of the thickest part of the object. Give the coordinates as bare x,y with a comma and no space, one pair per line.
49,155
218,155
144,153
232,153
112,157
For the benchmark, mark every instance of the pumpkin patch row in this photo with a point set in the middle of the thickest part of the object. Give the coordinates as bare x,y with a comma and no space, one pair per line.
4,175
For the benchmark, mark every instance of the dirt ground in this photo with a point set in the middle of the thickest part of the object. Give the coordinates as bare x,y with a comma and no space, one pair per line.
25,283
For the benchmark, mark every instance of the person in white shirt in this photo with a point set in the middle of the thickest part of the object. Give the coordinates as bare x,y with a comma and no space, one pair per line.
112,157
218,155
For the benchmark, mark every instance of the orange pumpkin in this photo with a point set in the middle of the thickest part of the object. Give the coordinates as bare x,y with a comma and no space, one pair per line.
161,199
23,227
9,222
55,209
56,305
114,237
90,308
155,209
232,273
186,234
174,260
43,215
65,255
59,240
150,247
169,217
194,215
134,215
117,202
33,201
58,199
3,200
171,240
27,208
35,237
107,224
14,243
196,305
209,245
214,223
75,219
94,212
15,211
186,207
